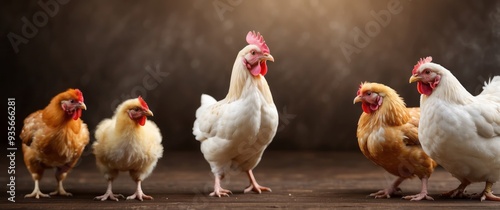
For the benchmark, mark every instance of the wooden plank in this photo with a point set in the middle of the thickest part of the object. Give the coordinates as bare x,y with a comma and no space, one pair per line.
303,180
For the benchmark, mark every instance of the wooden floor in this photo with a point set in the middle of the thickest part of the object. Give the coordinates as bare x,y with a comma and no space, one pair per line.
299,180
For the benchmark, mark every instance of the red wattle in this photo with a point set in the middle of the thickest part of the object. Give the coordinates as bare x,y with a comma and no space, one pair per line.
77,114
263,68
366,108
425,89
142,120
255,70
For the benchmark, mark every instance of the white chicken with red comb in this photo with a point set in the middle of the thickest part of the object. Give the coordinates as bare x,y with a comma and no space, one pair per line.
235,131
128,142
461,132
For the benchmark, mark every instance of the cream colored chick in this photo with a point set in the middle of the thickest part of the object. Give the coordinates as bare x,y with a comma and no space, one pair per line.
128,142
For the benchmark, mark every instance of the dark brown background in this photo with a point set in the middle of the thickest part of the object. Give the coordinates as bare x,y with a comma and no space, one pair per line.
105,47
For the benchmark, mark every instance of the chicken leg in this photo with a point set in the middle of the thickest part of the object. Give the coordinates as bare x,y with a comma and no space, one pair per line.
423,193
139,194
391,190
218,190
488,193
36,192
61,173
109,194
459,192
254,186
36,173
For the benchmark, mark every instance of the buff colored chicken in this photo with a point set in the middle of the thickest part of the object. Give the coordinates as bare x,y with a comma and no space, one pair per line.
128,142
388,136
55,137
458,130
235,131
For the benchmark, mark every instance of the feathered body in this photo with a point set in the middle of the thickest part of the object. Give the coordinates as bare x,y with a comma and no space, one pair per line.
460,131
388,136
235,131
55,137
128,142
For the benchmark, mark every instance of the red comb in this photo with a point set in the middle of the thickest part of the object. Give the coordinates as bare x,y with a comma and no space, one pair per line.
143,103
428,59
79,94
257,39
360,86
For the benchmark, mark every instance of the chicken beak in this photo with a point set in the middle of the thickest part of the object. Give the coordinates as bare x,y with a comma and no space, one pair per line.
148,113
81,105
357,100
415,78
268,57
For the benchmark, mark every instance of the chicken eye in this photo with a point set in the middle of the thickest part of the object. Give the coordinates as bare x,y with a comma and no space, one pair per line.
253,52
136,109
427,72
368,93
72,101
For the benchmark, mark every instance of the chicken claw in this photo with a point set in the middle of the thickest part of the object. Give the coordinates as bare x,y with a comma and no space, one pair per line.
139,195
257,188
418,197
220,192
489,196
456,193
254,186
459,192
386,193
37,193
391,190
423,193
109,196
488,193
60,190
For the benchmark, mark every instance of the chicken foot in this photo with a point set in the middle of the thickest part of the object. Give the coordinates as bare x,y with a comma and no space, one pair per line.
459,192
109,194
139,194
488,193
218,190
254,186
423,193
36,192
391,190
61,173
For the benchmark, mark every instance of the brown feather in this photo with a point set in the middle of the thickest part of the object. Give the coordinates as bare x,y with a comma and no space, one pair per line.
389,136
51,138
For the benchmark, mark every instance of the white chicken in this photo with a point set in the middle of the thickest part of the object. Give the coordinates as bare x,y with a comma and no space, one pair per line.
235,131
461,132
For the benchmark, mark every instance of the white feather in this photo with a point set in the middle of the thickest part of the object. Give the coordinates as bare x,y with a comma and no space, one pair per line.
461,132
234,132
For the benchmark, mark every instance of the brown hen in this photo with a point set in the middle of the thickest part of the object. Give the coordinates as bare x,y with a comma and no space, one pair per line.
55,137
388,136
